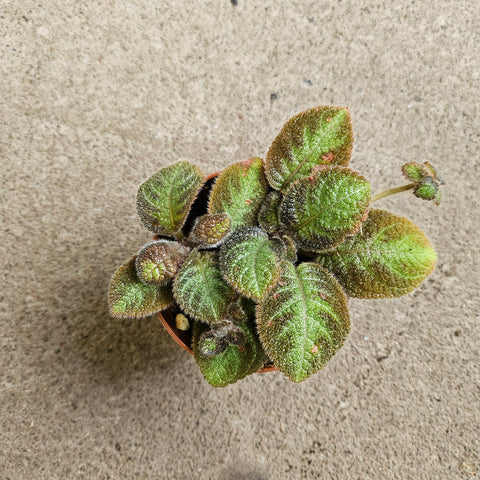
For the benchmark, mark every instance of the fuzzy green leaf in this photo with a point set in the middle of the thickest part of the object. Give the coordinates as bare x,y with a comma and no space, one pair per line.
428,189
128,297
235,362
200,289
268,213
249,263
389,257
239,191
321,210
318,136
210,230
163,201
304,320
414,171
157,262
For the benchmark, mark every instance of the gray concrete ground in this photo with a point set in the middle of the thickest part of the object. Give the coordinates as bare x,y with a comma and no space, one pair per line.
97,95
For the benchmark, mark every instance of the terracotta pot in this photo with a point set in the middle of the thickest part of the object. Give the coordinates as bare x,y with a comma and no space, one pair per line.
184,339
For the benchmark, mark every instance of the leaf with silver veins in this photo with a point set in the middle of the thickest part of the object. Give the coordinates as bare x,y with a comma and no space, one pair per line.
304,320
318,136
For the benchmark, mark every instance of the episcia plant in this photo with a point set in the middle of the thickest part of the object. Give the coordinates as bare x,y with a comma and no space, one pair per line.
258,262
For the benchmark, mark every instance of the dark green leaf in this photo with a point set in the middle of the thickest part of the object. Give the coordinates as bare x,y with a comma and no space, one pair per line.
268,213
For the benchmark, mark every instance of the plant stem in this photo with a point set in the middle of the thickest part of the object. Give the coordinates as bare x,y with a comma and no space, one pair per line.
392,191
179,236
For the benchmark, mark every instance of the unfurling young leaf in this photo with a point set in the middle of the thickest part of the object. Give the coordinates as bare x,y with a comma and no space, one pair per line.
249,262
163,201
234,362
268,213
291,249
285,248
209,344
231,333
322,209
425,181
318,136
428,189
210,229
414,171
239,191
304,320
158,262
128,297
200,289
237,313
389,257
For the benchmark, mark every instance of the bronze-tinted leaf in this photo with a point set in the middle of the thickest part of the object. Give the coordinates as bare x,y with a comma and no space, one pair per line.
318,136
389,257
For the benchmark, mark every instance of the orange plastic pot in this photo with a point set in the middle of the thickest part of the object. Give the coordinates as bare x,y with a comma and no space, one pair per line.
184,338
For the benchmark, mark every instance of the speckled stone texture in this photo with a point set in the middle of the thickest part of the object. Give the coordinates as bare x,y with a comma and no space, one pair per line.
95,96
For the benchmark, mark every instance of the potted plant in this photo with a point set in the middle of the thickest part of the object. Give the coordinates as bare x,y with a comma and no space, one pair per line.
252,268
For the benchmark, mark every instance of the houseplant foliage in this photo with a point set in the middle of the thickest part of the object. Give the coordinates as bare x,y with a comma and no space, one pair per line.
264,271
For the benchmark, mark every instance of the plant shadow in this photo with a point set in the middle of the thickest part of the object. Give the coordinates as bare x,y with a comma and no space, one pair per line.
243,471
117,348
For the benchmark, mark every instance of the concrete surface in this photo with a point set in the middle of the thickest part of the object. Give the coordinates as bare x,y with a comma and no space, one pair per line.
97,95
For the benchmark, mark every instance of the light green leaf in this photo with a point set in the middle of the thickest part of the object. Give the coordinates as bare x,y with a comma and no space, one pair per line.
239,191
235,362
318,136
200,289
304,320
128,297
414,171
163,201
321,210
249,263
389,257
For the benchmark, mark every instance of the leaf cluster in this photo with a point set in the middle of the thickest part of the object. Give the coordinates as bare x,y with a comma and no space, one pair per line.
265,270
